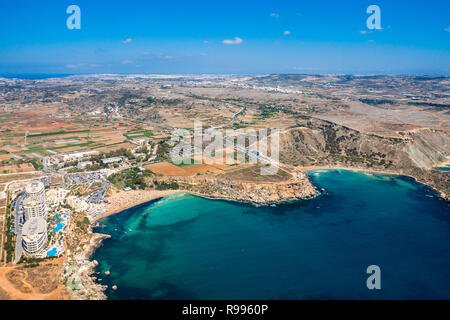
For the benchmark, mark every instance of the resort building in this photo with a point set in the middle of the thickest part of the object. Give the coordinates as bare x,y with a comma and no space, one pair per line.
34,209
36,191
34,236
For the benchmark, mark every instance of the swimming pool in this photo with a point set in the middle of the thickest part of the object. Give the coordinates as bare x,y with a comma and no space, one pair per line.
58,227
53,252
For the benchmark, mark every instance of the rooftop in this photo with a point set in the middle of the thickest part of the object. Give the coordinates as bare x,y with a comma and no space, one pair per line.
35,187
34,226
28,202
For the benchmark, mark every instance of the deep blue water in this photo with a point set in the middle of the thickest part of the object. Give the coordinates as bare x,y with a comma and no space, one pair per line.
185,247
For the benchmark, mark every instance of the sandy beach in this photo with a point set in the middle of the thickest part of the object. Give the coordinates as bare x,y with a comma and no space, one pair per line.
442,164
122,200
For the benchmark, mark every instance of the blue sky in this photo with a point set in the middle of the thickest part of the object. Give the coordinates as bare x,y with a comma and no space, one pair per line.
321,36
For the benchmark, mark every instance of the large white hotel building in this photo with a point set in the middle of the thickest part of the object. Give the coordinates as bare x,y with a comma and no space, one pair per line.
34,231
34,205
34,235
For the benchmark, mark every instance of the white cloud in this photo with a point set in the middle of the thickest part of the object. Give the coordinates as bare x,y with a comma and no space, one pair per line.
147,55
287,32
127,62
163,56
205,41
127,41
236,40
365,32
81,65
447,29
274,15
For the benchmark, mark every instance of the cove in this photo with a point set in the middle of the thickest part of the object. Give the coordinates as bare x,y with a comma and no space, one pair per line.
186,247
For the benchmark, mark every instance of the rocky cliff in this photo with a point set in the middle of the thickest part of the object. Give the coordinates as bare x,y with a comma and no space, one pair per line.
315,142
246,191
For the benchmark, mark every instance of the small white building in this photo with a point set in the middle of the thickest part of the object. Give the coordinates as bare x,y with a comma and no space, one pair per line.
78,155
79,205
56,196
141,141
112,160
84,164
138,155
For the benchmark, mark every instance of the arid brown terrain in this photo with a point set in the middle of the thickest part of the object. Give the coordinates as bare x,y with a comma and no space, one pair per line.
392,124
33,282
399,124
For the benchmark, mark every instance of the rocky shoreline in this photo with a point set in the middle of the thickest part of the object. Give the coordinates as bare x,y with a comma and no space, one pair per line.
213,188
419,178
248,192
259,193
82,279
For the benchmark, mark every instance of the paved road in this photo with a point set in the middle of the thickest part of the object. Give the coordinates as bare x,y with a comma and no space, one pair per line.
97,196
155,124
18,204
232,121
2,234
18,252
263,159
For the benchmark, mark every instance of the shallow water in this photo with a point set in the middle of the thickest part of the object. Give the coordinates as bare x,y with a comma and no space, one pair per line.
186,247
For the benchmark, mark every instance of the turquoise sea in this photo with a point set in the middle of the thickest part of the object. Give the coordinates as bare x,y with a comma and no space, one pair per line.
186,247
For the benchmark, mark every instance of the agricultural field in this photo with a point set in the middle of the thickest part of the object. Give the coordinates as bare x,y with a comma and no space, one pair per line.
28,136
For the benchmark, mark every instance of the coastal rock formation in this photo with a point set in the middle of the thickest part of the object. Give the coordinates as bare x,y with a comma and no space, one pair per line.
78,270
315,142
247,191
428,147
